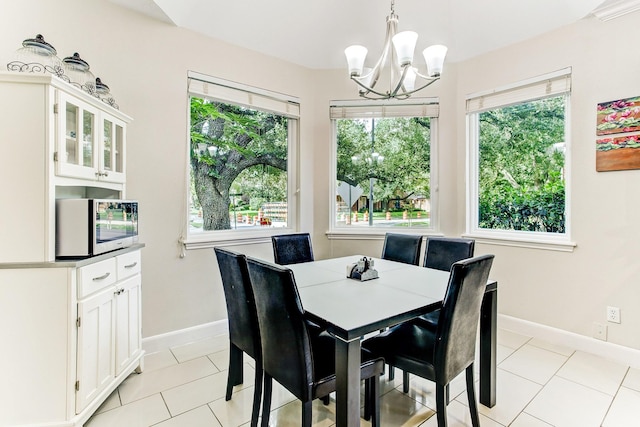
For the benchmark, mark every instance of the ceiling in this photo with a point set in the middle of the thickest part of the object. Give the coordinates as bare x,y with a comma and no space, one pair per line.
314,33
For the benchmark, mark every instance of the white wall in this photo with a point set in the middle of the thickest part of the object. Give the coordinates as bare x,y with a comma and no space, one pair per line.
145,63
568,291
571,290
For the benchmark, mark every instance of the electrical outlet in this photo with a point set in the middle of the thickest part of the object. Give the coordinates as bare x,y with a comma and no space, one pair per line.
600,331
613,314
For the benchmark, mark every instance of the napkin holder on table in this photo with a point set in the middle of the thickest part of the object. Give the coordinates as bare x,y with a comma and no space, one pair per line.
362,270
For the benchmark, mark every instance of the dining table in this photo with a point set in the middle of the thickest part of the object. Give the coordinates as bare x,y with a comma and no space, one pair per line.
350,309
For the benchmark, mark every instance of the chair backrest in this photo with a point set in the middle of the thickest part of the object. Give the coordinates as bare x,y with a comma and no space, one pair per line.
459,316
241,310
402,248
292,248
441,252
286,349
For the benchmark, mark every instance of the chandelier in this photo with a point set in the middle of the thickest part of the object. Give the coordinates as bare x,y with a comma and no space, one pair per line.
403,75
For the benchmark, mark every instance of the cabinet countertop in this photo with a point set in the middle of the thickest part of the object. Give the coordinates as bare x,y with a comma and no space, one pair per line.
72,263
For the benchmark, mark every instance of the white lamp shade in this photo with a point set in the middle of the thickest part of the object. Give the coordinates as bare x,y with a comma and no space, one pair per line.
404,44
355,59
409,81
434,57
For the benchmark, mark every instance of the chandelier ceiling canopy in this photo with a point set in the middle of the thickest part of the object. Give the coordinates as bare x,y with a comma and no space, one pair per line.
403,74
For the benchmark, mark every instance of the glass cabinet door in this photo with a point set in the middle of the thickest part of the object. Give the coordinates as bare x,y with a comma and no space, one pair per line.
107,148
76,147
112,158
71,134
88,126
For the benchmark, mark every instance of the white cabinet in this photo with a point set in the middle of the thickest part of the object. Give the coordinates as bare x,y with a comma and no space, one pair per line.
71,329
96,344
108,323
57,141
82,320
90,142
128,339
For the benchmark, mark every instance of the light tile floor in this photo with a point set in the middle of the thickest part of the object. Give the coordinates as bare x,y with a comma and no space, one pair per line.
539,385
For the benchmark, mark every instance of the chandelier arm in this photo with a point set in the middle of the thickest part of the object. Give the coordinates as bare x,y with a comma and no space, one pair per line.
370,89
405,68
426,77
430,82
392,22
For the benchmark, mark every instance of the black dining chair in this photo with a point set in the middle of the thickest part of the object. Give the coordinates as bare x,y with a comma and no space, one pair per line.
440,253
292,248
440,355
302,362
244,336
402,248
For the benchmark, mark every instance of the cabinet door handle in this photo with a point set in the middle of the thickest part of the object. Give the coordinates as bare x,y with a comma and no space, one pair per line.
104,276
119,291
133,264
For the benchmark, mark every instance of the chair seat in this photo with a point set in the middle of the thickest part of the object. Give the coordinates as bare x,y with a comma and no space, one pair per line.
416,358
429,320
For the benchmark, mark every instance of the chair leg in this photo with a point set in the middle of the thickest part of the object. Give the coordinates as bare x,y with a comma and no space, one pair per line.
471,394
367,399
236,371
392,374
266,400
257,395
374,401
405,382
441,406
326,399
306,413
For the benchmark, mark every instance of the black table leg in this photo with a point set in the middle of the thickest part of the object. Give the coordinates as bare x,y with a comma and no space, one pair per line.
347,383
488,347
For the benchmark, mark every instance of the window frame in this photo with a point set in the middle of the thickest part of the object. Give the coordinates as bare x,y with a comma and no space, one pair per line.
220,90
426,107
553,84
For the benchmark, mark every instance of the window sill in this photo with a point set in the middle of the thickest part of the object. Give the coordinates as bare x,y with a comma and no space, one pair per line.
373,233
529,242
231,238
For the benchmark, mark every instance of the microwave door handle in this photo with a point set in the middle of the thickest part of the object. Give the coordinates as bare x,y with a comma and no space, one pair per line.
104,276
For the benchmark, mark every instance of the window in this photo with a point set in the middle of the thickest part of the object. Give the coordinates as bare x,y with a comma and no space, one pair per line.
241,160
383,165
518,150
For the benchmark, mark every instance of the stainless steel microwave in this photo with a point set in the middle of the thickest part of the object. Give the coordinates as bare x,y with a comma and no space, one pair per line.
88,227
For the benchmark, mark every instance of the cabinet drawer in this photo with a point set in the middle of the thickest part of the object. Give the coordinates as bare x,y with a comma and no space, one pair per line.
128,264
93,277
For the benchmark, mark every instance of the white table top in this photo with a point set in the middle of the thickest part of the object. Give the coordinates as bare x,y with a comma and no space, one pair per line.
355,308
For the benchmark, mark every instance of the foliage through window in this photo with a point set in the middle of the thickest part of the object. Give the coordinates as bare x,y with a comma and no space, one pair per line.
520,159
383,172
239,157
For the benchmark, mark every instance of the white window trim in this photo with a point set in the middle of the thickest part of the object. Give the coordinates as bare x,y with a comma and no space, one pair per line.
526,239
261,99
377,233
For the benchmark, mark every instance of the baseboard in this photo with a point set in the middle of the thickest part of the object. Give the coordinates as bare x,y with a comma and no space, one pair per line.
161,342
625,355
